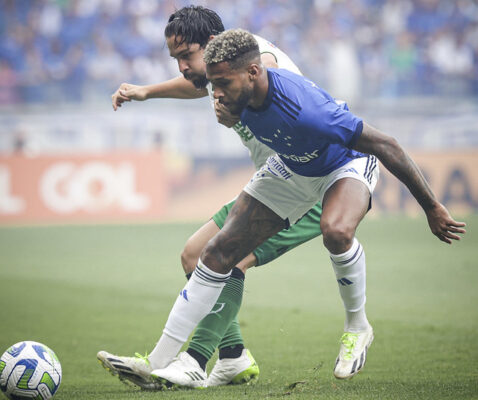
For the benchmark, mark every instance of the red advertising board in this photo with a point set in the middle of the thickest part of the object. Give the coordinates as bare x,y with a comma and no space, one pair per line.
118,186
139,187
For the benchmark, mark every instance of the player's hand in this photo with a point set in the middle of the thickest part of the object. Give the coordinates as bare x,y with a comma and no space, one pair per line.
443,225
223,115
128,92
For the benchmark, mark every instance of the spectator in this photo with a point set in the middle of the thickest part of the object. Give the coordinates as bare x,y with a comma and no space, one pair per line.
8,84
64,49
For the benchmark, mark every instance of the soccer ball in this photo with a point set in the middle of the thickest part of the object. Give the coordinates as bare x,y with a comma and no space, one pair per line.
29,370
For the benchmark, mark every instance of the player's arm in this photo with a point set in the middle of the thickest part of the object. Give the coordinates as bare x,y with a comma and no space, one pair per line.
399,163
176,88
223,115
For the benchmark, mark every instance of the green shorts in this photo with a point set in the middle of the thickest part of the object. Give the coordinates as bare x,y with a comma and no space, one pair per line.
307,228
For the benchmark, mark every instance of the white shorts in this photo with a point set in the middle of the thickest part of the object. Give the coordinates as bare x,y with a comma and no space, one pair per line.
291,195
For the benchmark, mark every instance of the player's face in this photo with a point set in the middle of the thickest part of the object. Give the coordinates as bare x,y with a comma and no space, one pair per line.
190,60
231,87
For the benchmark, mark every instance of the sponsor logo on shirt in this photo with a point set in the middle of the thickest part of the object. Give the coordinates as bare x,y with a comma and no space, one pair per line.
243,131
304,158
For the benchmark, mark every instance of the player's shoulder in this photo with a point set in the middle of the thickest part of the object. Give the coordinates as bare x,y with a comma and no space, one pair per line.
264,43
284,78
282,59
287,92
301,93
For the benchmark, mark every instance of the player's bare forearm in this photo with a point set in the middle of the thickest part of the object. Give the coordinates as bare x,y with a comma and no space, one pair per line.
248,224
176,88
399,163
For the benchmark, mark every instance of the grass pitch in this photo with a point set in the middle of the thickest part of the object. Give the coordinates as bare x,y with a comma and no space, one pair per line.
80,289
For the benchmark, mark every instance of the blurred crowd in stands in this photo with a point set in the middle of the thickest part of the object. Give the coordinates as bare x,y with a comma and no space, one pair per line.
81,50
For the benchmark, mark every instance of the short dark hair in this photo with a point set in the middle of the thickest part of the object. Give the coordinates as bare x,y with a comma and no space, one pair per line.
235,46
193,24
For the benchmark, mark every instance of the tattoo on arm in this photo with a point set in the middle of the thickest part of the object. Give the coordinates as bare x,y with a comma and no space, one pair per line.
398,162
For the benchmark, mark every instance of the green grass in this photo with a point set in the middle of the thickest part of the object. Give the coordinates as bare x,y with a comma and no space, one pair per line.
80,289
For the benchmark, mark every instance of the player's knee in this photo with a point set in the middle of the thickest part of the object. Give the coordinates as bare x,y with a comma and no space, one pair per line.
188,259
215,258
338,236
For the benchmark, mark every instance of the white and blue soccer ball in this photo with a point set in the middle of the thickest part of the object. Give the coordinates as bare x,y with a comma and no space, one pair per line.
29,370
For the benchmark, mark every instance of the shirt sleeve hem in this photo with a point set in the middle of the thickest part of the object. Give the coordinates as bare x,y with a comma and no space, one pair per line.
358,132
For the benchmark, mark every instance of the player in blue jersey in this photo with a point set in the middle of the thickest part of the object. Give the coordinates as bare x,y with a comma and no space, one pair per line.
187,32
324,153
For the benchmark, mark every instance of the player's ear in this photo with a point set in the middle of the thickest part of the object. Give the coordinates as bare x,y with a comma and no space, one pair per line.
254,71
211,37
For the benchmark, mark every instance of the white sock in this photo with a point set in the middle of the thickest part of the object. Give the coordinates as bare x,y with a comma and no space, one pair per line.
356,321
349,269
165,350
192,305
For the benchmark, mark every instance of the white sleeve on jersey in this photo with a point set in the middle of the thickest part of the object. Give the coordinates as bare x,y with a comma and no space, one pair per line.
283,60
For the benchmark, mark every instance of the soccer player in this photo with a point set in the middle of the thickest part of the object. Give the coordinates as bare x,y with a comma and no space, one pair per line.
187,33
324,153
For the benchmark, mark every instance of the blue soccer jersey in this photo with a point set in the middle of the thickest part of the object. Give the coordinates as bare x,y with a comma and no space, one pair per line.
312,134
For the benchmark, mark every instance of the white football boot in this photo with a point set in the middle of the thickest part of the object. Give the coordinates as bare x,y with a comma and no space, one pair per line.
235,371
353,353
129,369
183,372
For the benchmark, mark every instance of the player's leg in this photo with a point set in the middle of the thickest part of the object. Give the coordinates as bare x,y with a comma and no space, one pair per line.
210,330
188,369
268,202
345,204
221,327
307,228
243,368
137,370
235,363
248,224
198,240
